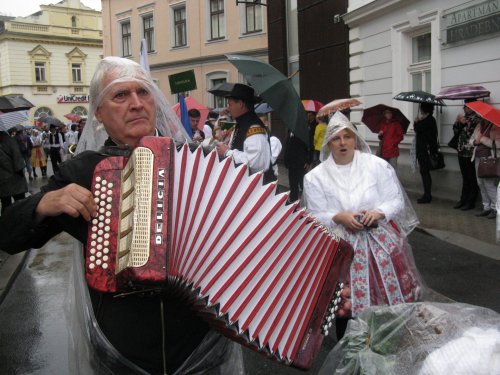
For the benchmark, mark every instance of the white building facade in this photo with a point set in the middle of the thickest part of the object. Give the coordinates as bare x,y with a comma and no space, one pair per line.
398,45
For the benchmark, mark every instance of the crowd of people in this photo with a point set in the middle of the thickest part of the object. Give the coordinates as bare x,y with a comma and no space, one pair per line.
353,192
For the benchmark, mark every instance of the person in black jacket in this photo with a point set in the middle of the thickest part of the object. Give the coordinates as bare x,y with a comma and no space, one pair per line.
426,142
13,184
158,331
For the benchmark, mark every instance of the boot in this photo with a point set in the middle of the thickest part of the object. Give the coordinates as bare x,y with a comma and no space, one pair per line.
424,199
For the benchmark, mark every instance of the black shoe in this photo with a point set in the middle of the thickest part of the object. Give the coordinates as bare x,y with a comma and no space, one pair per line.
483,213
424,199
492,215
458,205
467,207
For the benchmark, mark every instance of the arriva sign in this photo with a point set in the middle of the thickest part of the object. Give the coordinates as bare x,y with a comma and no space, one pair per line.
475,19
73,99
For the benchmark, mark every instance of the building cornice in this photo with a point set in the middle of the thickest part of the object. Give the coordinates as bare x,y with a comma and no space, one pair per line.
36,38
371,11
207,59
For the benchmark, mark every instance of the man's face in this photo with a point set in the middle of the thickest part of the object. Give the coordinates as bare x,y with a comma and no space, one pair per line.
127,111
236,107
194,121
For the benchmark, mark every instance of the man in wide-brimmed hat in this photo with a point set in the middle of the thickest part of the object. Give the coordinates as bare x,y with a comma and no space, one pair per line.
250,140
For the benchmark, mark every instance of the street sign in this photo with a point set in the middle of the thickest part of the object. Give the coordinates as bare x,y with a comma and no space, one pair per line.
182,82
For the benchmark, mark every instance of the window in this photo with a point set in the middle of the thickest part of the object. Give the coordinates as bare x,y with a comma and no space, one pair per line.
420,67
76,72
217,19
126,39
148,31
421,48
180,27
73,22
253,18
218,101
42,112
79,110
40,72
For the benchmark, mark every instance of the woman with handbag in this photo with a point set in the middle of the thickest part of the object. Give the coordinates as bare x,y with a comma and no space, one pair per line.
485,137
463,128
426,143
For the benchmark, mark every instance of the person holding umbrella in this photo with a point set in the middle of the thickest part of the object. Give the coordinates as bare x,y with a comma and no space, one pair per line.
250,140
463,128
426,142
390,135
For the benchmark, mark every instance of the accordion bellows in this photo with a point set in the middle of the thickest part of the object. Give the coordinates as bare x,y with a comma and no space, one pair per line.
262,272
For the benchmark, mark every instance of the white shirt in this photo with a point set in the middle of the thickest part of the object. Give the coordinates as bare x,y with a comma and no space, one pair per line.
256,153
369,184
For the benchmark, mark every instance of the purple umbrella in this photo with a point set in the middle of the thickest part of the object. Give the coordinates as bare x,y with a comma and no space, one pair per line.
461,92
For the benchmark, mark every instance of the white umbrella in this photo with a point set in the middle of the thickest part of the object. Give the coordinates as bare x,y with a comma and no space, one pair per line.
11,119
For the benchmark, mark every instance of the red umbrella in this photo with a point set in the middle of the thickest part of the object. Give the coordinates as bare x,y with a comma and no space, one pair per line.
461,92
192,103
311,105
486,111
338,105
373,116
73,117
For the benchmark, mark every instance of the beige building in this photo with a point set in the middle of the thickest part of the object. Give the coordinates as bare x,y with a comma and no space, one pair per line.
49,57
186,35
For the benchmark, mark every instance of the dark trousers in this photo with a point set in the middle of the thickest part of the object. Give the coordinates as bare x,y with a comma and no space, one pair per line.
55,158
296,181
470,190
425,173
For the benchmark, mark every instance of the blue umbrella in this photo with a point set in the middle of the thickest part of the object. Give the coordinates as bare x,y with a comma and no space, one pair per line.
185,115
263,108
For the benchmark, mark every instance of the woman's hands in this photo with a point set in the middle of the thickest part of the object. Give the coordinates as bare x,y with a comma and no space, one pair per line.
73,200
358,221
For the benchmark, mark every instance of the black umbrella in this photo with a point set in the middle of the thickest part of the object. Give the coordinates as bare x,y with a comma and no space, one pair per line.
222,89
11,103
418,97
49,120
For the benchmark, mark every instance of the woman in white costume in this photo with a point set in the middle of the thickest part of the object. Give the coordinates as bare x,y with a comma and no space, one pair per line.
359,197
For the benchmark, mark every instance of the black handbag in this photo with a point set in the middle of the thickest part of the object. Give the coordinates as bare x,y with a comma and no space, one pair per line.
453,143
436,161
489,166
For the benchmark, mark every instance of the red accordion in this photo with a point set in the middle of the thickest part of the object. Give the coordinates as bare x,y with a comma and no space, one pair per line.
264,273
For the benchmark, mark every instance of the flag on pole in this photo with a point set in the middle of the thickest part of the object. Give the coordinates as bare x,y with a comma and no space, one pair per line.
144,56
185,116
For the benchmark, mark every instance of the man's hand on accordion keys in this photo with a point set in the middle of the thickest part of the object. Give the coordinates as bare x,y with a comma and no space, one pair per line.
73,200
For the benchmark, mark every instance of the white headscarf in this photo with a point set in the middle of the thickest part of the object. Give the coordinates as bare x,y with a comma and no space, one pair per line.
337,123
94,134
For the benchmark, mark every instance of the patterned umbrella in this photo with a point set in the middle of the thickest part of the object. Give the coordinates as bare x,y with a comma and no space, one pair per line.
263,108
486,111
418,97
11,119
338,105
461,92
49,120
312,105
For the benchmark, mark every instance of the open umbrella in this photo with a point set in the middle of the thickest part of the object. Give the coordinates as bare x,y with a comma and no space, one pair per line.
50,120
312,105
263,108
418,97
373,116
11,119
277,90
191,103
221,89
73,117
10,103
338,105
461,92
486,111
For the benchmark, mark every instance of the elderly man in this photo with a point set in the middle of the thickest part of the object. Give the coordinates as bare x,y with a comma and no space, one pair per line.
157,332
250,140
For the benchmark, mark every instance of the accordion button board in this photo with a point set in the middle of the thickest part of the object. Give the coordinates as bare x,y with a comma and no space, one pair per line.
261,271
